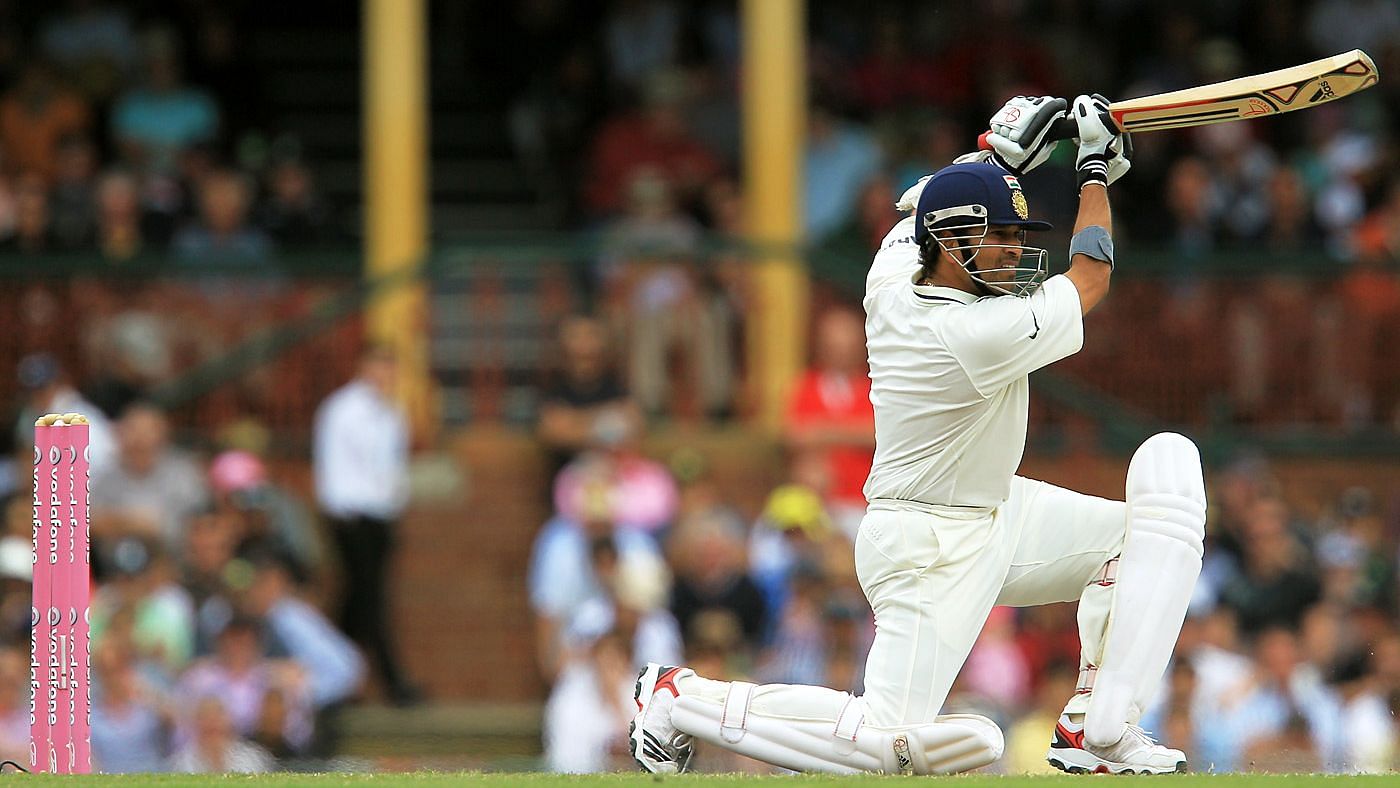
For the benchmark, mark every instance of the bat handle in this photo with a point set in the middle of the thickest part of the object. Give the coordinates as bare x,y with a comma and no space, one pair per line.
1063,129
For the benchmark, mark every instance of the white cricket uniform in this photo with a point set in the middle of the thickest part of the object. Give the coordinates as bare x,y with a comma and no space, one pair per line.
951,530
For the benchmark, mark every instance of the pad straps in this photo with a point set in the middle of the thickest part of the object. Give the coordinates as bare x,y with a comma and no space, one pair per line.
734,719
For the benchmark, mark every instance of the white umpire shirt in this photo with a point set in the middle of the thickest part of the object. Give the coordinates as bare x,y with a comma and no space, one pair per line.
360,454
949,380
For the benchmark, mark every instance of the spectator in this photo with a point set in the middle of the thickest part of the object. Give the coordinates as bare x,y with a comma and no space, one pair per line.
1025,740
33,231
643,38
587,406
270,517
563,578
653,270
121,232
209,566
134,352
840,158
129,725
789,534
586,717
333,668
215,747
94,42
1276,584
147,607
294,214
35,117
633,605
653,137
73,205
1355,731
155,123
14,704
360,458
707,553
49,390
830,416
239,676
16,578
996,669
151,488
222,234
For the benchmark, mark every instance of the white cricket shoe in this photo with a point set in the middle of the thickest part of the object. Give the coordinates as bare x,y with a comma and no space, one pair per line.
1135,753
656,744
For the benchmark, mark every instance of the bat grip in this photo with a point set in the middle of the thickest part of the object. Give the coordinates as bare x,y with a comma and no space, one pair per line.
1063,129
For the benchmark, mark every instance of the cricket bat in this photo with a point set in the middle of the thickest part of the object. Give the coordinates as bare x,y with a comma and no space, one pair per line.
1284,90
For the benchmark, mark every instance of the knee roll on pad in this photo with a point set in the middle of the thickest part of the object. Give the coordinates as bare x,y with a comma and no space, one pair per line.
1166,491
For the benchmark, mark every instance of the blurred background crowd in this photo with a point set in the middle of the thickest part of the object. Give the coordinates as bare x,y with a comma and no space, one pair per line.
163,197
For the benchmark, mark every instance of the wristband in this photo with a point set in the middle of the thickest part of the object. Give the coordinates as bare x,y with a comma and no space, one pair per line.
1093,168
1093,241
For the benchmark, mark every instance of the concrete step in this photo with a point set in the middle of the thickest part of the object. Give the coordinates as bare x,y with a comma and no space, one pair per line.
467,730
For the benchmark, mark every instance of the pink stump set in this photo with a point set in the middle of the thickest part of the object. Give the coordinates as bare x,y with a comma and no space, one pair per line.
60,699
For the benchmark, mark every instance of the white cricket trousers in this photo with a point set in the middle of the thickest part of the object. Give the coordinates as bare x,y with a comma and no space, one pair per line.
932,575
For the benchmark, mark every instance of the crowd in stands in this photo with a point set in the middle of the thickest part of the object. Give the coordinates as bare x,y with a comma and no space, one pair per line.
643,139
1289,660
128,131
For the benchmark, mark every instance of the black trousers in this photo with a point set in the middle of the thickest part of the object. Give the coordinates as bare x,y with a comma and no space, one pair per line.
366,546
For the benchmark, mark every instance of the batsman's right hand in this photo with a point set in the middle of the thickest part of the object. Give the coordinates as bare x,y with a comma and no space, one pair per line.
1020,131
1105,154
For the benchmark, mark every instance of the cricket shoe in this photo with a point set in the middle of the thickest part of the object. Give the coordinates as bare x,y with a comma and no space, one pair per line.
1135,753
656,744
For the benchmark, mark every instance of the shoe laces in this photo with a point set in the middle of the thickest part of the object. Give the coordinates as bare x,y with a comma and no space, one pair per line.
1141,734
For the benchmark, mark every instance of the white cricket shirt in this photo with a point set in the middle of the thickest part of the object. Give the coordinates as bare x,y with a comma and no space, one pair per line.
949,381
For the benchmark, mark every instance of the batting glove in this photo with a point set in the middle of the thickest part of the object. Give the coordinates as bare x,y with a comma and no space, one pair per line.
1104,154
1020,136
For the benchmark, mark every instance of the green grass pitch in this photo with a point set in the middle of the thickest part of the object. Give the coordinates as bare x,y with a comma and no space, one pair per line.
444,779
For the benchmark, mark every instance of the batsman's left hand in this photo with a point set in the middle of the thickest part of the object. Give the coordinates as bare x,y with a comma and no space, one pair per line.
1020,131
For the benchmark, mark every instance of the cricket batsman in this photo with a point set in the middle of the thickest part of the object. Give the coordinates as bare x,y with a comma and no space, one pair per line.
958,312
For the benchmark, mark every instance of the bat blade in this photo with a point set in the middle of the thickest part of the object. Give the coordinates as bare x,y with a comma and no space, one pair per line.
1285,90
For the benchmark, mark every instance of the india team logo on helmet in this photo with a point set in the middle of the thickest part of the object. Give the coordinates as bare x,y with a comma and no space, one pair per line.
1018,198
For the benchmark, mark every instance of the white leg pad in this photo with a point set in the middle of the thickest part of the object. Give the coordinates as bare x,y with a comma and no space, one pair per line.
747,722
1157,571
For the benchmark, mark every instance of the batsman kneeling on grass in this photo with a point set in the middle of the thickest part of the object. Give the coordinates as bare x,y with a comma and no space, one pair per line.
958,312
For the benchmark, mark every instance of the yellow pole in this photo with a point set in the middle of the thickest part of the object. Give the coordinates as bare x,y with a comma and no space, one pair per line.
775,105
396,189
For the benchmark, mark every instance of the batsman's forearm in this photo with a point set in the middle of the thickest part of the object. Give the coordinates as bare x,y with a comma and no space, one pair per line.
1090,276
1094,208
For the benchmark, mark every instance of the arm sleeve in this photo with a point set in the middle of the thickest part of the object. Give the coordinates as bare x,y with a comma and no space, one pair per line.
897,259
333,666
1004,338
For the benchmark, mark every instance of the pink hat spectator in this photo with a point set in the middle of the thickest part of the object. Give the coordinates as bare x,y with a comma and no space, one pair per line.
233,471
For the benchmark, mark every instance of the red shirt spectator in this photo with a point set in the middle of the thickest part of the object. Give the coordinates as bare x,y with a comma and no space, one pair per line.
655,137
830,410
35,117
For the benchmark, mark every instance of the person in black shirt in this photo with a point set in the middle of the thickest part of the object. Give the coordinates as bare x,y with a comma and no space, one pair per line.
588,406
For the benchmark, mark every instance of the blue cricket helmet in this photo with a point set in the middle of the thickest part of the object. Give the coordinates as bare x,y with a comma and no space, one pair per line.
975,193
